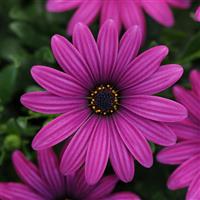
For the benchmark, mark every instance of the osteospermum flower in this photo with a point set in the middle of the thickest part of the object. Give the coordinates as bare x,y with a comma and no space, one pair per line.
124,12
186,153
45,182
197,14
105,96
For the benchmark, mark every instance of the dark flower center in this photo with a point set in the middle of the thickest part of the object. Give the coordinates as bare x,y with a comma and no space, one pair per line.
104,100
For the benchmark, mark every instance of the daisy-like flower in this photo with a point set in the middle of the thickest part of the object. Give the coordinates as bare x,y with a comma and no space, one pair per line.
105,96
45,182
197,14
186,153
124,12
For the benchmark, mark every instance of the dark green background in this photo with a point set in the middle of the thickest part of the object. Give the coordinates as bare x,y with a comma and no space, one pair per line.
25,32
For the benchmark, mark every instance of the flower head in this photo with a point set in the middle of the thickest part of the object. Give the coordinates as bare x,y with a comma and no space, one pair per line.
45,182
197,14
186,153
124,12
105,98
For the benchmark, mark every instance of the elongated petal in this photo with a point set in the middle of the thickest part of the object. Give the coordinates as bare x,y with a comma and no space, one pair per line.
179,3
128,49
61,5
110,10
108,47
156,108
86,44
45,102
105,186
124,196
194,189
75,153
195,80
49,170
179,152
11,191
184,174
143,66
59,129
28,172
156,132
164,78
134,140
120,158
56,82
70,59
132,14
160,11
97,153
188,100
86,13
197,14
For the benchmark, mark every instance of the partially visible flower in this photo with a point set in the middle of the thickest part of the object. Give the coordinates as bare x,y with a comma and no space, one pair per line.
186,153
45,182
124,12
106,98
197,14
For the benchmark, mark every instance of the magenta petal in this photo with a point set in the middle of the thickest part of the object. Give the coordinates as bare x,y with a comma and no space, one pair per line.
97,153
143,66
75,153
57,82
15,191
134,140
86,14
164,78
197,14
160,11
156,132
180,152
123,196
61,5
179,3
59,129
184,174
108,47
28,172
195,80
104,187
86,44
128,49
49,170
45,102
120,158
194,189
156,108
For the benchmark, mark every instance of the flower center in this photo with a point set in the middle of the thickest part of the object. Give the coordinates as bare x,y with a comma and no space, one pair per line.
104,100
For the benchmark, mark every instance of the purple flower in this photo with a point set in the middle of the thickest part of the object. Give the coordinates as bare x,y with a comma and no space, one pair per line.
186,153
45,182
197,14
124,12
105,98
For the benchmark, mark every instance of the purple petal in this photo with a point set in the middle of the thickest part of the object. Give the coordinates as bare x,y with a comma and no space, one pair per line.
59,129
164,78
49,170
143,66
108,47
97,153
120,158
179,153
86,13
61,5
133,139
156,132
123,196
105,186
195,80
156,108
70,59
184,174
29,174
57,82
179,3
75,153
197,14
45,102
86,44
160,11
